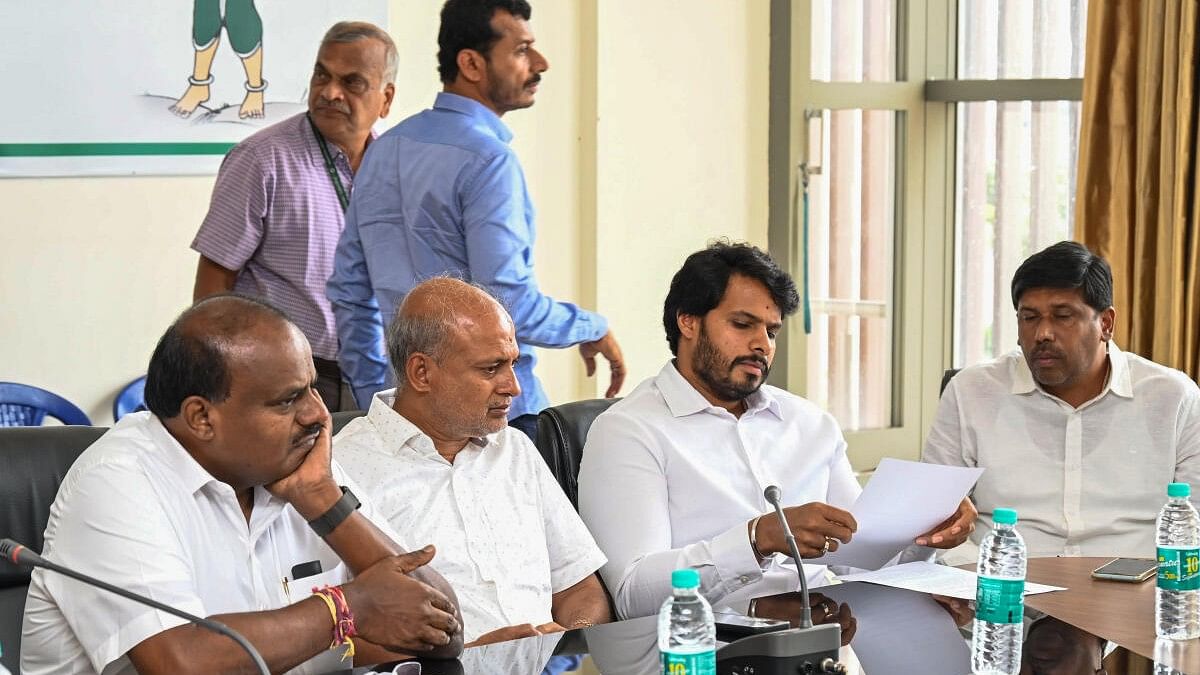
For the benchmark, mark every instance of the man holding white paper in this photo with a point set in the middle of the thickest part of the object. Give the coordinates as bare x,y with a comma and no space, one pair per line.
673,475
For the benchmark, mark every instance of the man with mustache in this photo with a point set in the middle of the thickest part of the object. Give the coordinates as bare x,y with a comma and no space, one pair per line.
279,200
222,500
1077,435
673,475
443,194
437,456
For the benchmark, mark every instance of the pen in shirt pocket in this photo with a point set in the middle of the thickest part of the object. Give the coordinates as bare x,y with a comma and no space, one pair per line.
301,571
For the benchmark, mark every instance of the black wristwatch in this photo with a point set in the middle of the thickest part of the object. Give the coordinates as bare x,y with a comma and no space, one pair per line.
327,522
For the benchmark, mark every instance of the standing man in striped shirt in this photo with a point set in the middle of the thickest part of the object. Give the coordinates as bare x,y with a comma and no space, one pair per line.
278,204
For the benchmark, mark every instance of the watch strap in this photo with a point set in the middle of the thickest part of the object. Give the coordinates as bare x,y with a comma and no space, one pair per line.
327,522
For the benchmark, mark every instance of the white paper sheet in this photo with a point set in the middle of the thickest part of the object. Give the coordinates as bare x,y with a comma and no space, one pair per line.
902,501
928,577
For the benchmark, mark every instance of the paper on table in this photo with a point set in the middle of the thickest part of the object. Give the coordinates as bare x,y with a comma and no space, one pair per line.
928,577
902,501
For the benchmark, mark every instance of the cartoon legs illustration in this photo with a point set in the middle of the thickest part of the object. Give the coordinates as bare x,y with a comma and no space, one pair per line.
244,27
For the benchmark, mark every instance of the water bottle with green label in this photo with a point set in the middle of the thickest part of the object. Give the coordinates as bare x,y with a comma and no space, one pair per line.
999,598
1177,600
687,635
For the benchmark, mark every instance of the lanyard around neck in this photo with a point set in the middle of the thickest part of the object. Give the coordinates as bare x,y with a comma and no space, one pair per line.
334,176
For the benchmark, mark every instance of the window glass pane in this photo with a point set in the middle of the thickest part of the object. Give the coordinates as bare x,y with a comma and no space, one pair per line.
853,40
999,39
851,268
1015,196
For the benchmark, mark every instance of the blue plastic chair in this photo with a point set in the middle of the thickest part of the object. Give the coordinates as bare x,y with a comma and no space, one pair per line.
131,399
24,406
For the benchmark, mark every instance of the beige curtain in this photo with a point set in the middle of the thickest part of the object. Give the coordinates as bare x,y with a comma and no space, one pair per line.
1138,181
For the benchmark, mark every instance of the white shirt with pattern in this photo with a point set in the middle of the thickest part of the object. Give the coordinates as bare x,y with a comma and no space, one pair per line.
507,538
1086,481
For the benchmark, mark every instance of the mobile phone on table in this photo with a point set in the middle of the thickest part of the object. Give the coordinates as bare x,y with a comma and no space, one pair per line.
1126,569
732,626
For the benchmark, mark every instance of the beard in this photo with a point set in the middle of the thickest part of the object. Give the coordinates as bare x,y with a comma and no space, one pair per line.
718,374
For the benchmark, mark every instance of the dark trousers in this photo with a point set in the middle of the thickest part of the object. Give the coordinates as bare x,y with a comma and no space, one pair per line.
333,390
526,424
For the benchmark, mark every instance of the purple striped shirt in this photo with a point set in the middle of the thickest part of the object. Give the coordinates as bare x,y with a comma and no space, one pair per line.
275,218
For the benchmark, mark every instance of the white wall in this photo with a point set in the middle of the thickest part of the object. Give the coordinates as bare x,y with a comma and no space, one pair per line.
648,138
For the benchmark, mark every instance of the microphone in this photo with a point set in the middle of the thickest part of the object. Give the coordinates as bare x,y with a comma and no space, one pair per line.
773,495
18,554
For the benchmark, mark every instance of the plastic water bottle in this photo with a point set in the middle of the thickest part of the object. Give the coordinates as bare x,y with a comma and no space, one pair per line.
1177,599
687,636
999,598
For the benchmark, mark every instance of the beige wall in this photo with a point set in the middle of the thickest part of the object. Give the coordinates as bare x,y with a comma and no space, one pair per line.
649,137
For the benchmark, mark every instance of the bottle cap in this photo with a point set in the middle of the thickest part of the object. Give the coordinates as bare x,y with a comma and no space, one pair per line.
1179,490
1004,516
688,578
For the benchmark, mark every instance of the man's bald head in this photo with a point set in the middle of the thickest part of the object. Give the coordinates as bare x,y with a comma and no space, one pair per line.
430,316
192,357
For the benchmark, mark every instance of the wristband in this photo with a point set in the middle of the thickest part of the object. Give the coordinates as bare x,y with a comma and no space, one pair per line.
327,522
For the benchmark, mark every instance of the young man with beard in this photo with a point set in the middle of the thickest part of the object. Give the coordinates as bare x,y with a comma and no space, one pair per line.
687,455
443,194
1077,435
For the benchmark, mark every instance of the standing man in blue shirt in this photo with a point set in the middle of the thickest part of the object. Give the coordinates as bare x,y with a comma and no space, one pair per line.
442,193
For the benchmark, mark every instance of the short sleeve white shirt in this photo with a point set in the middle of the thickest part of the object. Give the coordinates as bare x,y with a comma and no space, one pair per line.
669,481
138,511
507,538
1086,481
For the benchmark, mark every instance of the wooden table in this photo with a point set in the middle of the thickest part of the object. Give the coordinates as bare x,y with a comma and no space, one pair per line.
1117,611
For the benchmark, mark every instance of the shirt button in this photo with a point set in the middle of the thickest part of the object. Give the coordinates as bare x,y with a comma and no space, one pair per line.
744,579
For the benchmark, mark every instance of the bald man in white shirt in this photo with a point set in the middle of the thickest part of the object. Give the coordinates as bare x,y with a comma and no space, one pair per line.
438,457
1078,436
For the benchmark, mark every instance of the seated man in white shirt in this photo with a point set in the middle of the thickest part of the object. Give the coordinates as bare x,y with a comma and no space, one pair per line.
673,475
1076,435
442,465
205,503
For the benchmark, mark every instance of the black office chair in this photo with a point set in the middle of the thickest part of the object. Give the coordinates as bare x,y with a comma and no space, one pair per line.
33,462
561,433
946,377
341,419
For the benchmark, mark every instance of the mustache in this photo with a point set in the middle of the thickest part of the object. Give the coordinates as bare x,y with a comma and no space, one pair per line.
759,361
310,430
533,80
330,105
1046,351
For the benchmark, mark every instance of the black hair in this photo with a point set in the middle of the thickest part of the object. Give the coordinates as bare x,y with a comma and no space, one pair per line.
467,24
190,360
700,284
1067,264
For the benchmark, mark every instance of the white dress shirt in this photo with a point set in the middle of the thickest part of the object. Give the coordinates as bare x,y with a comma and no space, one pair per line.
136,510
507,538
669,481
1086,481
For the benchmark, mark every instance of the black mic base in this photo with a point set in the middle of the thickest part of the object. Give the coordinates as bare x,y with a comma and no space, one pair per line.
796,651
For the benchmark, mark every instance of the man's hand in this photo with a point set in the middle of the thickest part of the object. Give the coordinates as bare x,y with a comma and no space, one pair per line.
790,607
608,348
398,612
310,489
952,531
814,526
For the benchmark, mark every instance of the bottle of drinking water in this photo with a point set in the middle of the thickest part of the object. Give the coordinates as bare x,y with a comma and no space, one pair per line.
687,636
1177,599
999,598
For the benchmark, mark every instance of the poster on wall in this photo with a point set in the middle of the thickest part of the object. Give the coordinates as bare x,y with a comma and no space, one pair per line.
121,87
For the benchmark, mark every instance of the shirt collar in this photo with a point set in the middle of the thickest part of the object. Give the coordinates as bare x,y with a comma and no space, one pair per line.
309,134
396,431
1120,382
476,111
683,399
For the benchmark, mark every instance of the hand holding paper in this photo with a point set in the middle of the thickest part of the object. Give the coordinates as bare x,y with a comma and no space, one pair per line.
903,501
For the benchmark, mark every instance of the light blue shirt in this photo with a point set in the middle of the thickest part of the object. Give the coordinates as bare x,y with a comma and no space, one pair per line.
442,193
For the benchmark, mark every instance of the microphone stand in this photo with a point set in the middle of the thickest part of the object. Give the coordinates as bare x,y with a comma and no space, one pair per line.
18,554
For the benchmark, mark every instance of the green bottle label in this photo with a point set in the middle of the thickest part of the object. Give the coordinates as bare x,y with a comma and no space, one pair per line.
1178,568
999,600
698,663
